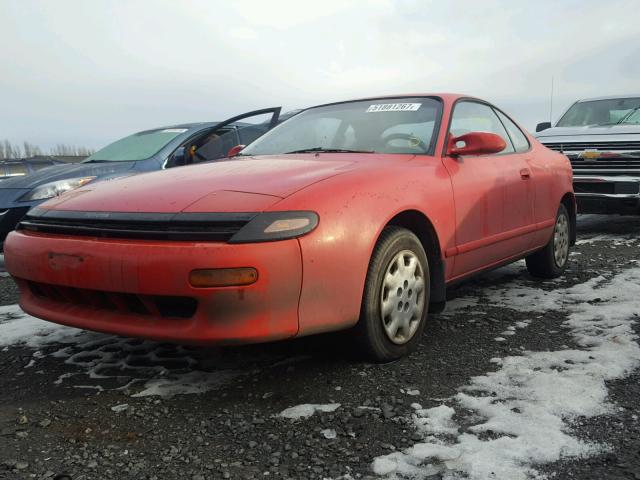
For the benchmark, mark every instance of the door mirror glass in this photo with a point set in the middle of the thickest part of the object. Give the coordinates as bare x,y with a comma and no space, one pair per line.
543,126
475,143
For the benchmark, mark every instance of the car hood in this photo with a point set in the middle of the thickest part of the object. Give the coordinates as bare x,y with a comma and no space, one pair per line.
62,172
240,185
595,132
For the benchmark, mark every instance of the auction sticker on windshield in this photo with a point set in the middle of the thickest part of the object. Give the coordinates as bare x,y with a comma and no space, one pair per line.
394,107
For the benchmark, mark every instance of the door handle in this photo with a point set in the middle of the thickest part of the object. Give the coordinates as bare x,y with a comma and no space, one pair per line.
525,174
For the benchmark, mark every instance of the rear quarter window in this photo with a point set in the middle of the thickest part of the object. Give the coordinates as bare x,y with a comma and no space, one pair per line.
519,139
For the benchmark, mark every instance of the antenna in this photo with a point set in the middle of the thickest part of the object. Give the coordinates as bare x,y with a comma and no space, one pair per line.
551,103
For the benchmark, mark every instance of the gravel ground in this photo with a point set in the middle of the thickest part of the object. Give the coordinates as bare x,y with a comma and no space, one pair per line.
68,407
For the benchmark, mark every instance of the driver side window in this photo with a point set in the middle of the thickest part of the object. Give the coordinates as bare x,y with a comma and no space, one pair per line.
477,117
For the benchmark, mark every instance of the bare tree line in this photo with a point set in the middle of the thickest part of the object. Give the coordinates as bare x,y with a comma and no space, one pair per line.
27,150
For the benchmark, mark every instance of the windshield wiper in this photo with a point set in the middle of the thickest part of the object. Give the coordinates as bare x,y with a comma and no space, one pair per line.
328,150
631,112
96,161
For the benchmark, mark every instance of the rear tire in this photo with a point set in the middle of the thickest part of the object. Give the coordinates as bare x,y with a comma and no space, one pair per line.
552,260
396,297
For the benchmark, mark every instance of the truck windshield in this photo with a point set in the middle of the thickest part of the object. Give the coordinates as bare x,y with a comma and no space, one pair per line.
600,112
138,146
387,125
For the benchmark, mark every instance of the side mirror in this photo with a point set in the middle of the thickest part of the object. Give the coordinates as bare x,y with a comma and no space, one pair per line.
235,151
178,158
543,126
475,143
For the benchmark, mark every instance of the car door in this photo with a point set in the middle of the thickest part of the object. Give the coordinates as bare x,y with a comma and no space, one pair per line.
241,129
214,143
492,194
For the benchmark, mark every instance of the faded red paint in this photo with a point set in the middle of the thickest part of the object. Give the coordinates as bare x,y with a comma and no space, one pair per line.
484,209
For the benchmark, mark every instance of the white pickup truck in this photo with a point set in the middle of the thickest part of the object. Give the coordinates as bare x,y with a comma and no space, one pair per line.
601,137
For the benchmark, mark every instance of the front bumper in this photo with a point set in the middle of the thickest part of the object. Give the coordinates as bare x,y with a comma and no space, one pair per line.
140,288
607,193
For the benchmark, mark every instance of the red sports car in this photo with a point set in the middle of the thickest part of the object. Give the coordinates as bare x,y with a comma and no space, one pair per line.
351,215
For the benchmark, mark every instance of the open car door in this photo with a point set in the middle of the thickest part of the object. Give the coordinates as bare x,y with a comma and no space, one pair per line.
217,141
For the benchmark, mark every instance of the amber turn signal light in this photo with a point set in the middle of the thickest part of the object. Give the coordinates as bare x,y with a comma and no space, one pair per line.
223,277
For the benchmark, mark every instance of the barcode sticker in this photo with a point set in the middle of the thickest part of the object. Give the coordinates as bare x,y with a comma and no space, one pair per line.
394,107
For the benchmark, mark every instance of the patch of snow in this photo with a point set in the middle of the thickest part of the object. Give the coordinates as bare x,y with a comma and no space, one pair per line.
18,328
329,433
307,409
523,411
615,240
186,383
458,304
151,367
436,420
120,408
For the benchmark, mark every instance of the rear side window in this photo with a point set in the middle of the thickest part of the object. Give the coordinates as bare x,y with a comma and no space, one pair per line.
478,117
518,138
35,166
16,169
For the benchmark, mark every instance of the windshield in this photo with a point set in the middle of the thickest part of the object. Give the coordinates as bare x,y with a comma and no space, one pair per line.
600,112
389,125
138,146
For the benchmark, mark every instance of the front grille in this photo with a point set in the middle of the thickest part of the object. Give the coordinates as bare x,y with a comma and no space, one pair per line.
593,187
150,226
619,165
581,146
618,188
127,303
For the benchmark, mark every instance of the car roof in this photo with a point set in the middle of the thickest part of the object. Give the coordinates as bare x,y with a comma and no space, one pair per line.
608,97
188,126
444,96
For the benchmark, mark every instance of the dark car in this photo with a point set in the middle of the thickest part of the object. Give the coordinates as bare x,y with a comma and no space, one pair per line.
145,151
21,167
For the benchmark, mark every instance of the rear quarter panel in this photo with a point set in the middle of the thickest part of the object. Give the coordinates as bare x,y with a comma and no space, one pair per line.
354,207
553,178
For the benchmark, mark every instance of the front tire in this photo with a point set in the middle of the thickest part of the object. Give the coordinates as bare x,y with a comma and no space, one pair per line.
551,261
396,296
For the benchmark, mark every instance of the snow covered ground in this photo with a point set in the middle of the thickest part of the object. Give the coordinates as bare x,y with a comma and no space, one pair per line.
521,414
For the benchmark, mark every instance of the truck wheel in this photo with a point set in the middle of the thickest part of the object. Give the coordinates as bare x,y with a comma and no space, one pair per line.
552,260
396,297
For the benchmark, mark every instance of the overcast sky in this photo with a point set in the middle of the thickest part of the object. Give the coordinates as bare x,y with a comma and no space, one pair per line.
87,72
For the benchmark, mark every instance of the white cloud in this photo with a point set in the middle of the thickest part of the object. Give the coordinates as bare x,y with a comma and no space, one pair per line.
87,72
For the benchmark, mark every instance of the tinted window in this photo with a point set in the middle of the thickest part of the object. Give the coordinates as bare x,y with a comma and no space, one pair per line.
215,145
138,146
35,166
478,117
16,169
389,125
518,138
599,112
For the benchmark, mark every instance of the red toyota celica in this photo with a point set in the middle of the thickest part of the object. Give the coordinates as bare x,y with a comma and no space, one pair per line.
351,215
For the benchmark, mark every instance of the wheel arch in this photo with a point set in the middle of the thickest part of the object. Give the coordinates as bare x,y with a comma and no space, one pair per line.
418,223
569,202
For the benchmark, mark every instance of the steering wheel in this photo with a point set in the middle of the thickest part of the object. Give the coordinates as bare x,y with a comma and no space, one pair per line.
413,141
